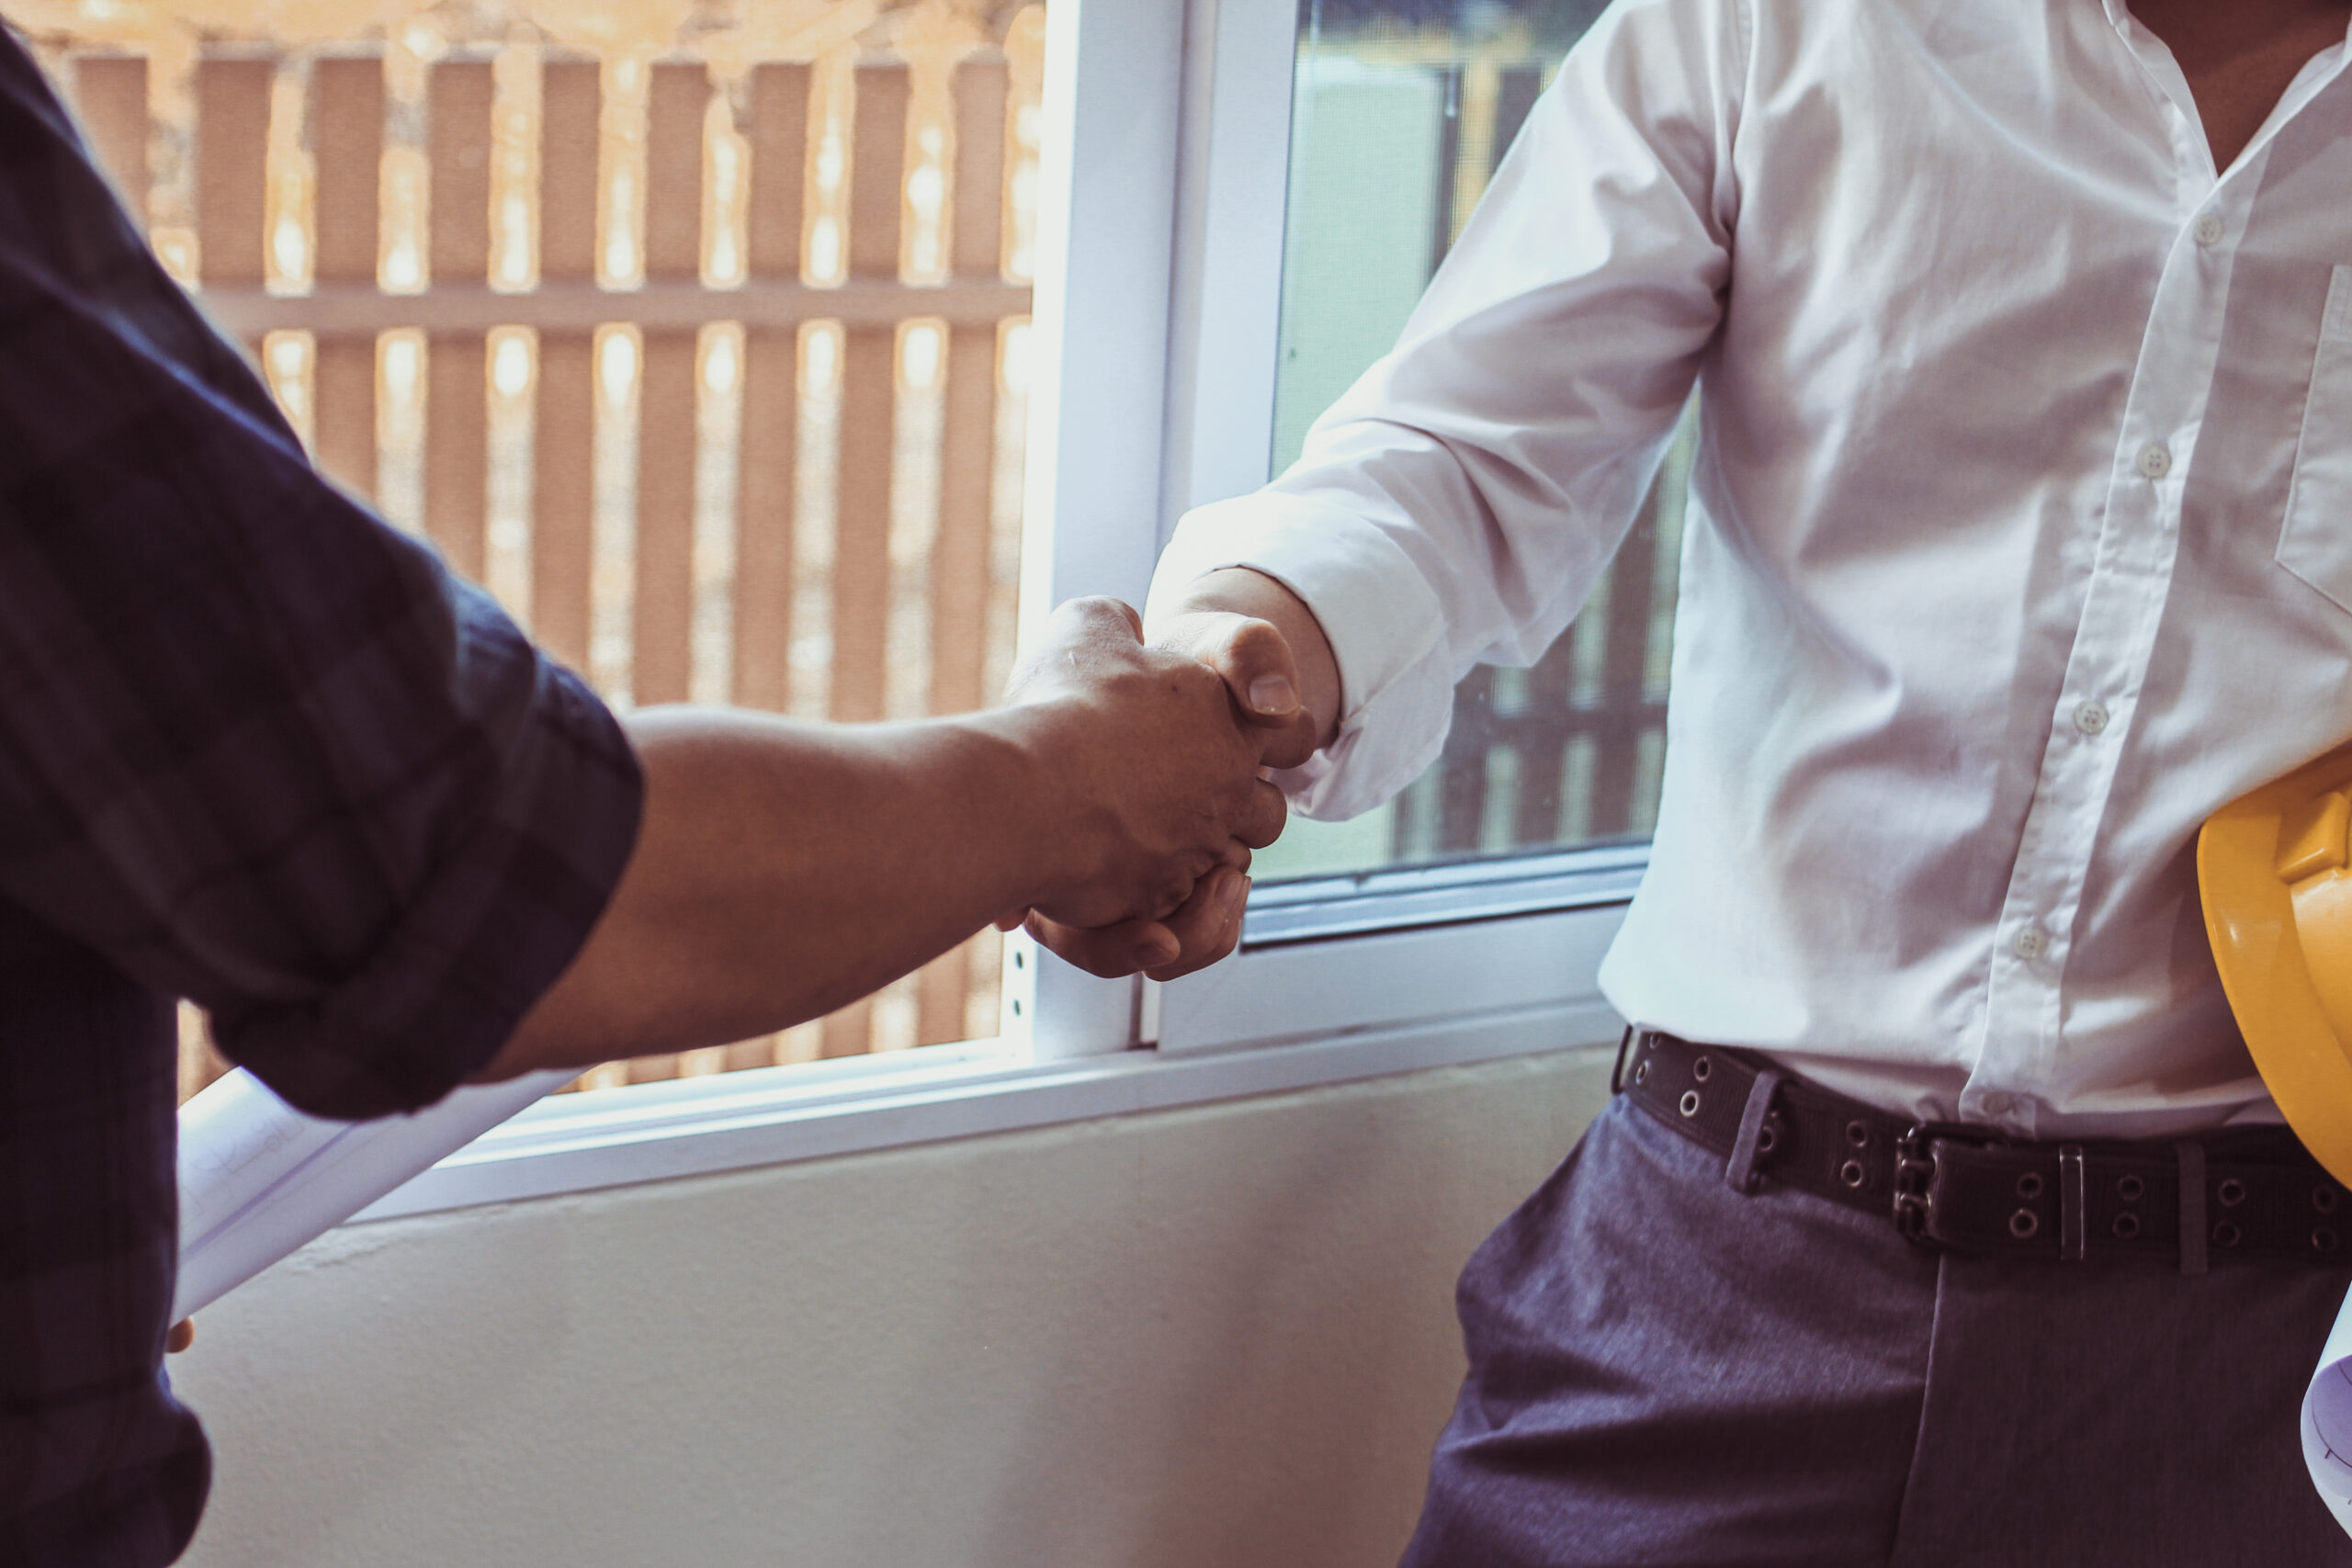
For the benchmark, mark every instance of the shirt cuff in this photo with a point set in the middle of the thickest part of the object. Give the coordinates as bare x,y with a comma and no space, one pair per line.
498,921
1384,622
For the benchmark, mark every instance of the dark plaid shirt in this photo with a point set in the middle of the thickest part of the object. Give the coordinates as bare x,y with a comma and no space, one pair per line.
257,748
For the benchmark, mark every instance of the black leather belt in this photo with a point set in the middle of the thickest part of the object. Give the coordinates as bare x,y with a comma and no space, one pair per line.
2252,1195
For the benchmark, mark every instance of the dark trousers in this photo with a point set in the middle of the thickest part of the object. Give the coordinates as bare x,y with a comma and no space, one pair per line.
1663,1370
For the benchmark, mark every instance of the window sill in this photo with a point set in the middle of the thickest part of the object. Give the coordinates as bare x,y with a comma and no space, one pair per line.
1295,1009
774,1115
1322,908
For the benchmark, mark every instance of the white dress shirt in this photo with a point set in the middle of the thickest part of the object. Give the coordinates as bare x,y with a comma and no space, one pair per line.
2021,526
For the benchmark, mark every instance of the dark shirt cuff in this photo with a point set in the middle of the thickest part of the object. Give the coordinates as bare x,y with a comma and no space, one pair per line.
498,921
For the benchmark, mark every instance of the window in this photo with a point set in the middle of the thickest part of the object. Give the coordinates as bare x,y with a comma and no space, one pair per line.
1504,867
637,355
1399,113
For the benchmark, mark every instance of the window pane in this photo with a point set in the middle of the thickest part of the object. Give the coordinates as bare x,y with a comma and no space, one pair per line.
704,484
1401,110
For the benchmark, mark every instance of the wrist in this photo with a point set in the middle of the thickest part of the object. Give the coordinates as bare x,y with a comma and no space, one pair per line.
1048,827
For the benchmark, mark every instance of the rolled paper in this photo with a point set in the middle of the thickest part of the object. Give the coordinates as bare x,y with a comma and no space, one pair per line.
259,1179
2328,1420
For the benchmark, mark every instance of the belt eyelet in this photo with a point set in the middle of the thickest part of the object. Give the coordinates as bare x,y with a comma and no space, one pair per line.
2131,1189
2024,1223
1703,1069
1858,1132
2325,1239
2126,1226
2231,1191
1690,1105
2324,1199
2030,1186
1852,1173
2227,1235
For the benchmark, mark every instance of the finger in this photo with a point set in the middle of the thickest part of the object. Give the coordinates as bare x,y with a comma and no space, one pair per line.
1260,673
182,1336
1290,745
1262,823
1209,927
1113,952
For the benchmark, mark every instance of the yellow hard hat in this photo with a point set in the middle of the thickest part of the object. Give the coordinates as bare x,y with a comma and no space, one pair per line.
2275,870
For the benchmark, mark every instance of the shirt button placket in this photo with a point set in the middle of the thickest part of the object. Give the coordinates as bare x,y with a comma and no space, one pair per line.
2134,555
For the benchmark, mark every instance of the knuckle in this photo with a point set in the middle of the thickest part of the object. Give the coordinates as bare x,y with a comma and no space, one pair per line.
1089,615
1193,679
1114,611
1252,638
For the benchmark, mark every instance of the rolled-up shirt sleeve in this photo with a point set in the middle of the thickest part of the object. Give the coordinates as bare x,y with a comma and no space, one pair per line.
1458,504
258,748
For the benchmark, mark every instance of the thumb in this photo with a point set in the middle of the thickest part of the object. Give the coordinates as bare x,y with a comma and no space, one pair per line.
1255,661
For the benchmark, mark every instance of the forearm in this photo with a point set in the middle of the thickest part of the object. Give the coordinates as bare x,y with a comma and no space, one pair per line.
785,869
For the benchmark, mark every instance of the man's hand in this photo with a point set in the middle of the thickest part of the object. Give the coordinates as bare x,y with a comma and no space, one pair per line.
1269,652
784,869
1158,779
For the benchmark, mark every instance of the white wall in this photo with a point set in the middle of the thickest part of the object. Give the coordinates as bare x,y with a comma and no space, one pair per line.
1216,1338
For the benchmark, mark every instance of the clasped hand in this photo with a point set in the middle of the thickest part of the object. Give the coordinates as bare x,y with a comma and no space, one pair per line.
1163,751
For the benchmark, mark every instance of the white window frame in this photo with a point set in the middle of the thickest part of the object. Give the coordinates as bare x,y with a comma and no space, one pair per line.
1152,380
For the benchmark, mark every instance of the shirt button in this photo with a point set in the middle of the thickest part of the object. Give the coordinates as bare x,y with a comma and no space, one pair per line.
2207,229
2156,460
2029,942
1998,1102
2090,718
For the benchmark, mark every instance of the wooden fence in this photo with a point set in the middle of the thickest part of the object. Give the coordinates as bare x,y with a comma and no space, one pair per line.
780,488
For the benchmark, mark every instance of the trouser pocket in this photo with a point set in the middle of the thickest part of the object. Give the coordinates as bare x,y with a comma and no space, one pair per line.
2316,540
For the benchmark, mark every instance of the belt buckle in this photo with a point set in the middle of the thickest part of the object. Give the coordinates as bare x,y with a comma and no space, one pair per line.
1914,1173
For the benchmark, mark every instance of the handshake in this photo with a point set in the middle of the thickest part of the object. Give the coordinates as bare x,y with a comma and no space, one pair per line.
1161,749
784,869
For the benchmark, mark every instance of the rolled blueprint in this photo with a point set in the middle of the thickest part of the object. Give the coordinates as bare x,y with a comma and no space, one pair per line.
259,1178
2328,1420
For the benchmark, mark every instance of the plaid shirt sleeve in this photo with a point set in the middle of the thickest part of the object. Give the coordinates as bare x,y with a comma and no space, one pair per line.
257,747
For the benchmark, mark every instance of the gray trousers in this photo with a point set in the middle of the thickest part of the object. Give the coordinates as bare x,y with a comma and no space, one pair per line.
1663,1370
